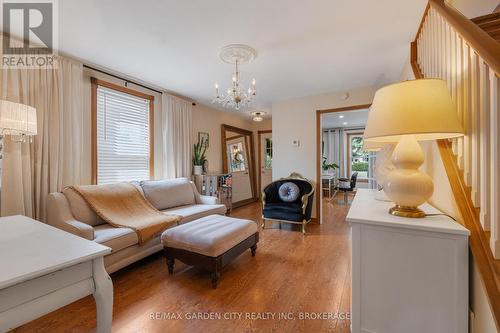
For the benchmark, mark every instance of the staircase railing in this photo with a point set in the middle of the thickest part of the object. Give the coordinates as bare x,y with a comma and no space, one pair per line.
451,47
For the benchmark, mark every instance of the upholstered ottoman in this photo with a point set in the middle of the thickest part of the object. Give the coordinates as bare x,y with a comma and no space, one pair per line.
210,242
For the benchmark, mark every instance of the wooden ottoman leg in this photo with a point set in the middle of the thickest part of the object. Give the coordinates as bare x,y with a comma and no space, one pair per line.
254,250
215,279
170,262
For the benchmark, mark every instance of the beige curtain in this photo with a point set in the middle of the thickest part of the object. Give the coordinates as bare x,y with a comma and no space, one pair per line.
333,148
53,160
176,122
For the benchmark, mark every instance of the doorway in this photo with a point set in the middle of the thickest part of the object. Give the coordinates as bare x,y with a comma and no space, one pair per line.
335,128
358,159
265,158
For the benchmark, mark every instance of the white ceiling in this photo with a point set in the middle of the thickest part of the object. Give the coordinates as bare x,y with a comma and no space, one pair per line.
304,47
357,118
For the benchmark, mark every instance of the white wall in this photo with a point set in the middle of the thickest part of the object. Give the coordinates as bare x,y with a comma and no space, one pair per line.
483,321
474,8
296,119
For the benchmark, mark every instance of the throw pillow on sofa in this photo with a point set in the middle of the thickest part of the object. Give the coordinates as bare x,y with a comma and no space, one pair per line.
168,193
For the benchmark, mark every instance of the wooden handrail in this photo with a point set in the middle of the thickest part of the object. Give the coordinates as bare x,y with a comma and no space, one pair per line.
487,47
488,267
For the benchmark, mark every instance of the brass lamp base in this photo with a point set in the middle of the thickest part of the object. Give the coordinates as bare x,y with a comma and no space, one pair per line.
405,211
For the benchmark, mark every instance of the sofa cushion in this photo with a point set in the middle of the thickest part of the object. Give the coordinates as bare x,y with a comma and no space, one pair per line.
287,207
80,209
168,193
211,235
192,212
283,212
115,238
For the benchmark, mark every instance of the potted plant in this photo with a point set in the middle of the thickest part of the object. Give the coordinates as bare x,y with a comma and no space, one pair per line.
327,166
199,157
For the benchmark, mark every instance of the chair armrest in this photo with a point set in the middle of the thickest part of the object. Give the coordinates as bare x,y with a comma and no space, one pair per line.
206,200
203,199
78,228
59,215
305,201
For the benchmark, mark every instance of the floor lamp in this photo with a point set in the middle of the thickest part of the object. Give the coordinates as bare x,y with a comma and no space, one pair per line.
18,121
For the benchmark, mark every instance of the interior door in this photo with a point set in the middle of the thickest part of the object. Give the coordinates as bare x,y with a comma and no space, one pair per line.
266,159
237,150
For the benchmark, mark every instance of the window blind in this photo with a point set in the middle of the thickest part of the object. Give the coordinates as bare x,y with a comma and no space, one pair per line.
123,137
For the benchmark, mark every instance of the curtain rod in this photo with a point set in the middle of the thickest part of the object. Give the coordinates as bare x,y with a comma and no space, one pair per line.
123,79
127,80
344,128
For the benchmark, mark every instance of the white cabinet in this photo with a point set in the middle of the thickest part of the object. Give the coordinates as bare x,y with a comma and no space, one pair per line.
44,268
408,275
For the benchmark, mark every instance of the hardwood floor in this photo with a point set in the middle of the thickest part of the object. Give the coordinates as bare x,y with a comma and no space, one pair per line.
291,275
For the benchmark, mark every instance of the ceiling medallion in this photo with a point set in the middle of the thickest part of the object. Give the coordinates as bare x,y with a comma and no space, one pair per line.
236,96
258,115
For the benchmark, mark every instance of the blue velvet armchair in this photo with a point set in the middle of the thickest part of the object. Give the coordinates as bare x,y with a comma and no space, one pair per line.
296,212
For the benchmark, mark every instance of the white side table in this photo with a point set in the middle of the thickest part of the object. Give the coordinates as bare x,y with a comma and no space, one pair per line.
408,275
44,268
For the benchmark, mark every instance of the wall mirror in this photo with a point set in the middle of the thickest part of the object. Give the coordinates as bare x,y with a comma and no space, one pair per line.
238,159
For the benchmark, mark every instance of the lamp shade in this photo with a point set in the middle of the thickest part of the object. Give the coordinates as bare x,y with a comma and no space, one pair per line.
421,107
17,119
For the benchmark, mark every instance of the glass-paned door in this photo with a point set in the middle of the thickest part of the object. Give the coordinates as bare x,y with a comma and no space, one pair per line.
266,153
359,159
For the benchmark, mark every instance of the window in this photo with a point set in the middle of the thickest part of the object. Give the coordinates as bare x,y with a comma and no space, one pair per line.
268,163
122,134
358,158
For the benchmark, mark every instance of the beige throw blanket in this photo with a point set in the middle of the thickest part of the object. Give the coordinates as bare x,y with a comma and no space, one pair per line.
122,205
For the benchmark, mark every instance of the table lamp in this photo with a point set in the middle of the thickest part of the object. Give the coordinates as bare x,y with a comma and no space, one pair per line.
408,112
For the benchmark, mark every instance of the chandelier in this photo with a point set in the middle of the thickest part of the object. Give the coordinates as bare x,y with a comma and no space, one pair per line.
236,96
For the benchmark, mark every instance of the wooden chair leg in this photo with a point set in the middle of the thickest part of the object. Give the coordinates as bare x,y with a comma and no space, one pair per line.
303,227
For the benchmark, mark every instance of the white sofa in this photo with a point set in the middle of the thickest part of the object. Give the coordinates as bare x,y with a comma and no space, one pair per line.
68,211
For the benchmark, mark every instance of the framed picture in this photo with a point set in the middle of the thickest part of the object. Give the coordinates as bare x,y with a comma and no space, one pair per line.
203,139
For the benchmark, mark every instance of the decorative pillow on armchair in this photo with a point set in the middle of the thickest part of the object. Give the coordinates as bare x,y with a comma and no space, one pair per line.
288,192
